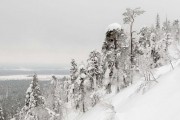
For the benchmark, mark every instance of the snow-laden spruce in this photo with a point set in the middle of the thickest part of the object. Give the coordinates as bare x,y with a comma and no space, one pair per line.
35,108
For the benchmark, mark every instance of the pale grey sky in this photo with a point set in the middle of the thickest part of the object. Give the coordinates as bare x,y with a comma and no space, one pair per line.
55,31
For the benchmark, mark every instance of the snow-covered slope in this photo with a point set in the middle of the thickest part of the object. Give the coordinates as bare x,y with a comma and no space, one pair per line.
161,102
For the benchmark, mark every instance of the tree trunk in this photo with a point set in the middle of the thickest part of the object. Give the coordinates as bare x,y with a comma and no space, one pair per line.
95,81
83,107
131,53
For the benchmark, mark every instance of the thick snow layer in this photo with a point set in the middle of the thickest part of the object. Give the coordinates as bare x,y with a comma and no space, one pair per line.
161,102
114,26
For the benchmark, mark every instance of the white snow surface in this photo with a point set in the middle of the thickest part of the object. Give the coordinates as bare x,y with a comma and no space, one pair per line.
13,118
161,102
113,26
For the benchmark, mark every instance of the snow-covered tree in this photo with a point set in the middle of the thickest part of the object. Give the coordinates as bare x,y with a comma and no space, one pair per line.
94,69
166,26
154,51
81,79
146,61
74,94
56,95
129,18
34,97
33,100
164,49
176,30
1,114
145,35
116,59
158,22
76,89
110,50
122,72
66,89
73,70
37,107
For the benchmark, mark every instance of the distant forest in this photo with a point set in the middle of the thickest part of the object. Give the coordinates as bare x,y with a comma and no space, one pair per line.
12,95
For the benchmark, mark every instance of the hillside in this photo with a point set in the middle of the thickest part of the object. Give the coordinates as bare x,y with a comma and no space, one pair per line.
159,102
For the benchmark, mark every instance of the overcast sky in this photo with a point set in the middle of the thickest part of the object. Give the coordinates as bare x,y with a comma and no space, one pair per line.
52,32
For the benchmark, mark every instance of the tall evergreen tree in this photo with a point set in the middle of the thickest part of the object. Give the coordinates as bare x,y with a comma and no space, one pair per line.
109,50
33,95
73,71
56,93
33,100
158,22
81,93
176,30
166,26
115,59
93,69
154,52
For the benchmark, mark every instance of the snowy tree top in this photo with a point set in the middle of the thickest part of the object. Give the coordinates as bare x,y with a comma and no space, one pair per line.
83,75
81,66
114,26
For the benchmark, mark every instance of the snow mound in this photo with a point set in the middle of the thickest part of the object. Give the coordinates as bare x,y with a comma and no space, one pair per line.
114,26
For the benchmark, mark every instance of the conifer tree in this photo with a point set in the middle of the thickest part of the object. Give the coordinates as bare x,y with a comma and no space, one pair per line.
81,78
33,95
110,50
176,30
94,70
55,92
33,101
154,51
158,22
166,26
115,57
73,71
